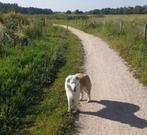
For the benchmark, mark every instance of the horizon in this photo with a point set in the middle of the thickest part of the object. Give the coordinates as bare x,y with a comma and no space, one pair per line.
73,4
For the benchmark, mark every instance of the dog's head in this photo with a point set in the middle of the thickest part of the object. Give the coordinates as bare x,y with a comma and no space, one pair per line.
72,82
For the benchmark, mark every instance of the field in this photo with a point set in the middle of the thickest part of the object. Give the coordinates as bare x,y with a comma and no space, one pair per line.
35,57
125,33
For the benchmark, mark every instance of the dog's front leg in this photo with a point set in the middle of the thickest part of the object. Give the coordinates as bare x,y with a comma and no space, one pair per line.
76,104
69,104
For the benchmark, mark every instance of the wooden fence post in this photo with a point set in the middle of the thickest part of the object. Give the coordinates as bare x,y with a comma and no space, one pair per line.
76,20
67,24
104,21
145,32
86,22
81,21
121,25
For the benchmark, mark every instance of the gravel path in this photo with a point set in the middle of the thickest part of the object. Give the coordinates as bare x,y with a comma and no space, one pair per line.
119,101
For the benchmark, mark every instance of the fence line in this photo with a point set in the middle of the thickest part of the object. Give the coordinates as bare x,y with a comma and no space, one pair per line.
138,27
145,32
123,24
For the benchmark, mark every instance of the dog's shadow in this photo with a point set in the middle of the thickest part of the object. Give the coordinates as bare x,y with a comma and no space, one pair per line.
119,111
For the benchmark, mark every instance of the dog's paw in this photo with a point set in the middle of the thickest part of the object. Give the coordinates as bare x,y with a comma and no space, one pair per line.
81,99
76,111
69,111
88,101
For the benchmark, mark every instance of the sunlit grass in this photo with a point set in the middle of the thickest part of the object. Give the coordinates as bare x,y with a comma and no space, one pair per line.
53,118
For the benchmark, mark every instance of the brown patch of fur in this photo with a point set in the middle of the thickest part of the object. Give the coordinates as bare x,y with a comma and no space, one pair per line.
85,83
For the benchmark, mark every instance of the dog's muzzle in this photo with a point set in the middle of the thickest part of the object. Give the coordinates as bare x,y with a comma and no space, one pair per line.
75,89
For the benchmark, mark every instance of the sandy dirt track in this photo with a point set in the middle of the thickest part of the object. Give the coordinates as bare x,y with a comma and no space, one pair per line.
119,101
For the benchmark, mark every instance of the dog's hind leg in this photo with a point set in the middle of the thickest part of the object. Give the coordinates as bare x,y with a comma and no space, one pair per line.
81,95
89,96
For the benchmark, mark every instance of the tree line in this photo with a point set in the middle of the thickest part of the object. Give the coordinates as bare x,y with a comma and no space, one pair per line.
30,10
122,10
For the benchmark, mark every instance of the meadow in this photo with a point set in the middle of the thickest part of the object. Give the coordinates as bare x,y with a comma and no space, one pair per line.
124,33
35,57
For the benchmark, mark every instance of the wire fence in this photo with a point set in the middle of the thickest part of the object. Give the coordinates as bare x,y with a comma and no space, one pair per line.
120,24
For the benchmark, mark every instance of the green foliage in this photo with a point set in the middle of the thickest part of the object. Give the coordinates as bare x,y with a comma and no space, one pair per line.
32,78
17,29
12,20
7,7
52,118
34,30
22,79
68,12
2,33
121,10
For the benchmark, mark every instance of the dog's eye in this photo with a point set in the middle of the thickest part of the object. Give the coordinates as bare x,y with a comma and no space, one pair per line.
68,80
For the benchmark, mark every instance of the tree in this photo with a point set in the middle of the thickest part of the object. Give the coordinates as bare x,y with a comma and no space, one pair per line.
95,11
68,12
78,12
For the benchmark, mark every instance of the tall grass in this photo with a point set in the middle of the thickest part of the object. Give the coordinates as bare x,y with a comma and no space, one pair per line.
32,76
52,118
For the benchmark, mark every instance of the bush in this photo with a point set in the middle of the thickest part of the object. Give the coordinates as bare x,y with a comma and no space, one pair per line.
19,30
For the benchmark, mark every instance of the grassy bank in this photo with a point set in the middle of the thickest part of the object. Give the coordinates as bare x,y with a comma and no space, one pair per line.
35,57
124,33
52,117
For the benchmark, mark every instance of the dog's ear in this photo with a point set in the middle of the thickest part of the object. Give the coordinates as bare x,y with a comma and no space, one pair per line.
77,78
68,80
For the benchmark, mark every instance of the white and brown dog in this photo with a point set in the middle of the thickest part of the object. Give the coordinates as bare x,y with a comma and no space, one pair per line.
74,85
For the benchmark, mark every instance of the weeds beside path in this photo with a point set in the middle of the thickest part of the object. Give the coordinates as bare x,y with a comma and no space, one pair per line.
52,117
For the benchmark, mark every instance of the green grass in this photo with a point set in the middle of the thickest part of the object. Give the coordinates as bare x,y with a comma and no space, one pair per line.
129,42
32,99
52,117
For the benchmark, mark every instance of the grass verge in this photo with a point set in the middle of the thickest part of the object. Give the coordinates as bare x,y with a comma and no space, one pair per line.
52,117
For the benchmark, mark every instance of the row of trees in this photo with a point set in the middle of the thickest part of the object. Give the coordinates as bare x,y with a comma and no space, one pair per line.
122,10
77,11
14,7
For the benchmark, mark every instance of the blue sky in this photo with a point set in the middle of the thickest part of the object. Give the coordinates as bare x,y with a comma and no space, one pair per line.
63,5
